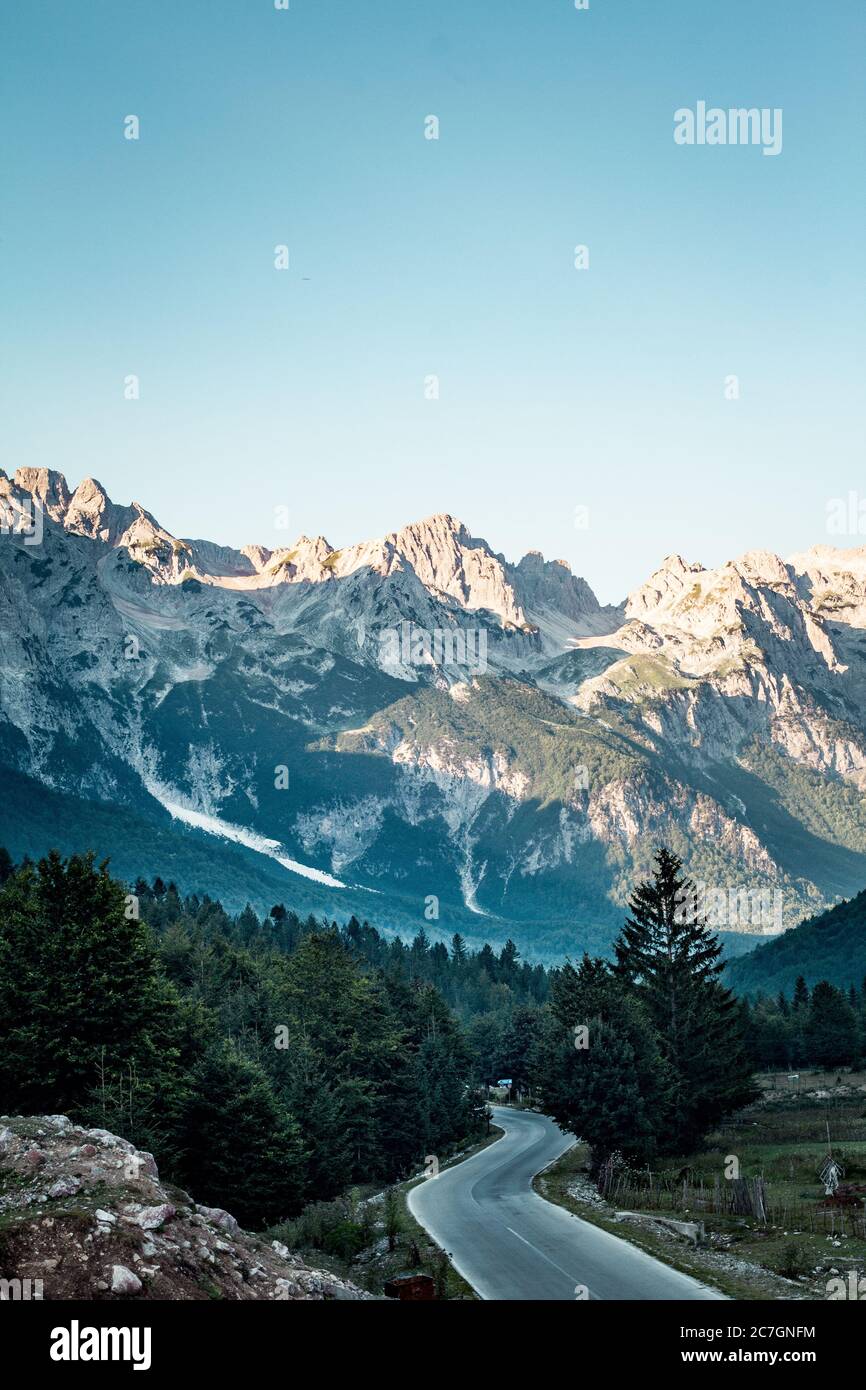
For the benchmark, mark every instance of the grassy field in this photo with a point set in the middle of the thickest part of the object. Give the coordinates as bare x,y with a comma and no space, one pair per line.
800,1245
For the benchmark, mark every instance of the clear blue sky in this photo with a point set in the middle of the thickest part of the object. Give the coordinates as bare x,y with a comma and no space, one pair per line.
411,257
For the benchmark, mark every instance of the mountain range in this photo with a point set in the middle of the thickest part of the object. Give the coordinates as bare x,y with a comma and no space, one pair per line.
415,730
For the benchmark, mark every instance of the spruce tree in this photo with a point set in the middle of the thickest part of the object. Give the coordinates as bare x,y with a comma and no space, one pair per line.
240,1149
668,955
831,1033
508,958
611,1084
85,1010
7,868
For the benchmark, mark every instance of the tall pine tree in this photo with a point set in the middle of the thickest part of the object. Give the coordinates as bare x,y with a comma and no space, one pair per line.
610,1083
666,952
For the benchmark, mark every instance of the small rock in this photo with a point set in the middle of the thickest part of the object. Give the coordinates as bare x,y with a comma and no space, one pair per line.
148,1165
123,1280
282,1250
64,1187
106,1216
110,1141
217,1217
151,1218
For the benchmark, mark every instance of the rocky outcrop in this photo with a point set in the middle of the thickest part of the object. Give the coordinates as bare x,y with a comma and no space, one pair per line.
549,593
84,1215
46,487
91,512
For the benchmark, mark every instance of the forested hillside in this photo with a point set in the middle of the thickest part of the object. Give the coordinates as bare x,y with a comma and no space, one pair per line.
266,1062
831,947
263,1065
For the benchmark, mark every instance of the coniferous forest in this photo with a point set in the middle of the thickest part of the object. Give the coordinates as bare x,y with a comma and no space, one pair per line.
273,1062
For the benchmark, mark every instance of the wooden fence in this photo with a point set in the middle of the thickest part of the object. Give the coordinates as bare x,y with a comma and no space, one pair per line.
748,1197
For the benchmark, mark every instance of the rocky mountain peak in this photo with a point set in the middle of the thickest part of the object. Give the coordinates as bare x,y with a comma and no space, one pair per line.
258,555
761,567
48,487
91,512
439,549
436,528
90,496
532,562
671,580
309,558
449,560
88,511
827,560
709,665
548,587
675,564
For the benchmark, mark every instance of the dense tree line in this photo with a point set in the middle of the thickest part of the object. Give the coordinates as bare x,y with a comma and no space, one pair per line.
644,1054
272,1061
263,1064
824,1027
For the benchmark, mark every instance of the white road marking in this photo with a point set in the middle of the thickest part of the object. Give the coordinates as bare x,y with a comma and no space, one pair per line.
536,1251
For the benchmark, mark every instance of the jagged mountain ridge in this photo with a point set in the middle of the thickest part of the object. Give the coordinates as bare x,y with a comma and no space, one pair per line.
720,710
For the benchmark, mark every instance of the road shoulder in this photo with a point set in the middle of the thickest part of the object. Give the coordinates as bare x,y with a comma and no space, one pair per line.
565,1184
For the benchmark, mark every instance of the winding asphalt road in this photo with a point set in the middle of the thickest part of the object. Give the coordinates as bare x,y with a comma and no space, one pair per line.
509,1243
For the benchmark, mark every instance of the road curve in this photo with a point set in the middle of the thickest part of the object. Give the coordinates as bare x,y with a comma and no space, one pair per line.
509,1243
